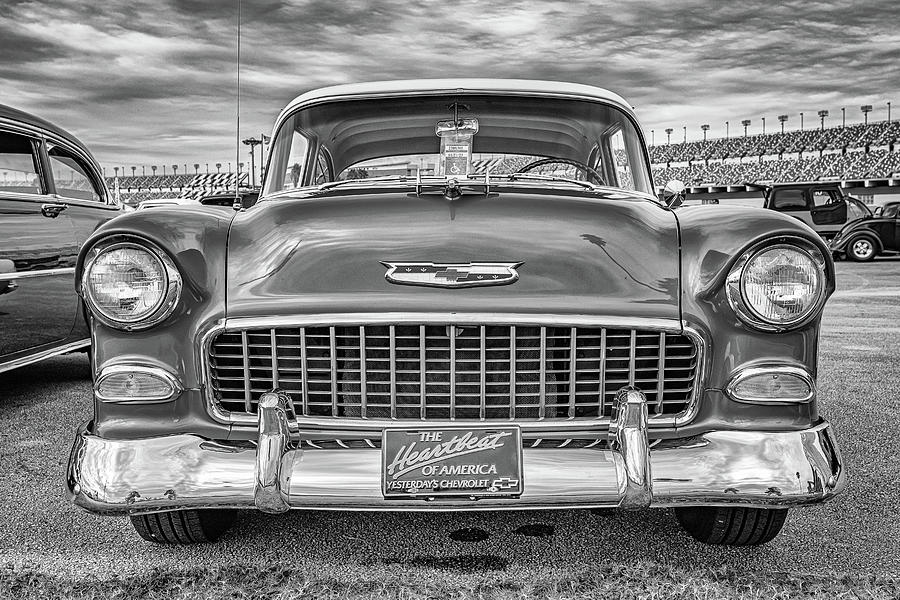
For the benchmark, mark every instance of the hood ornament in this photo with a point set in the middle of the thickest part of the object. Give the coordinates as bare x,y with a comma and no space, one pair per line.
452,275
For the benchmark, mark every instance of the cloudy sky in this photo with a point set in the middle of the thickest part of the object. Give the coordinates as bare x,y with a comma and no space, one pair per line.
153,82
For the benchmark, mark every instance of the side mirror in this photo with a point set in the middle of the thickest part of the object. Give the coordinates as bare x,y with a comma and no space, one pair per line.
673,193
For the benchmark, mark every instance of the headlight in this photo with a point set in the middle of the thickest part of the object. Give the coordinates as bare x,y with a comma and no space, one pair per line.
777,287
130,285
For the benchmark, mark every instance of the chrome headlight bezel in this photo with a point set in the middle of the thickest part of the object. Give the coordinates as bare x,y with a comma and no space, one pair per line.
164,307
735,286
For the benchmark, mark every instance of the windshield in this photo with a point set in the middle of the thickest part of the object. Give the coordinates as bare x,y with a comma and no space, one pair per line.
457,136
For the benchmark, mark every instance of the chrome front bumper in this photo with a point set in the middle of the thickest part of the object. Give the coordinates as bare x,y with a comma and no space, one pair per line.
716,468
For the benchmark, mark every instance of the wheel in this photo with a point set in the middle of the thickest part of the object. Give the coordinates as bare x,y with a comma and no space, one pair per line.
731,526
862,248
590,173
184,526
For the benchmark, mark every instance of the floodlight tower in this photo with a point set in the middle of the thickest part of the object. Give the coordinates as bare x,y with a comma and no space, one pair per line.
866,109
669,131
782,118
705,128
822,114
746,124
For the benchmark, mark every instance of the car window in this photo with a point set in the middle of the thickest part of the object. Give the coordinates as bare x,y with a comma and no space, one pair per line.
71,177
890,211
293,158
18,172
789,200
624,175
825,197
323,172
856,210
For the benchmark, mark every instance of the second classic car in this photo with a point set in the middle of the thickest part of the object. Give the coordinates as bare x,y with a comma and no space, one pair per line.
866,238
52,197
455,295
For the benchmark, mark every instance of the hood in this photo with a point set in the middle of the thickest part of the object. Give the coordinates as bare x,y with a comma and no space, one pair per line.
613,256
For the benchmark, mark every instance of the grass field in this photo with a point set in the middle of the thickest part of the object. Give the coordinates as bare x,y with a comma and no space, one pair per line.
847,548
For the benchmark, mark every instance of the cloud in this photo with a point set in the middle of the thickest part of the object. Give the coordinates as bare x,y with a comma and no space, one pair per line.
154,82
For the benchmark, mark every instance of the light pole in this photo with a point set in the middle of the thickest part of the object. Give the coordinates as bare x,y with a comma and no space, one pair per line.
764,125
822,114
116,169
196,168
782,118
685,134
175,170
144,170
726,130
652,137
705,128
866,109
801,121
889,111
133,169
669,135
843,117
164,169
746,124
218,167
253,143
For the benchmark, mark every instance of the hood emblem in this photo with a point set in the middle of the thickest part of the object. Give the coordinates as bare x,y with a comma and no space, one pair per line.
452,275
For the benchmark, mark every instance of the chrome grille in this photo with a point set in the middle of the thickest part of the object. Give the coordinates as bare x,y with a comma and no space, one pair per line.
411,372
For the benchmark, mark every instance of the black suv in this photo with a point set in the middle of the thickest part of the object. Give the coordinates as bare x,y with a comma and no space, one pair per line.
822,206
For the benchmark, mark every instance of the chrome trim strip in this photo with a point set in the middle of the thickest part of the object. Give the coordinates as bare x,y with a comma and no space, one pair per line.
716,468
542,406
512,319
573,365
363,401
32,274
774,370
332,364
661,366
43,354
245,348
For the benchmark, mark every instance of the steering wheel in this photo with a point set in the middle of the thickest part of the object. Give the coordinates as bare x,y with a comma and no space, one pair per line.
592,174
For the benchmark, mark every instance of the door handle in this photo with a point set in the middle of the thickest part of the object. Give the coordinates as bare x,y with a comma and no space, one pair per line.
52,210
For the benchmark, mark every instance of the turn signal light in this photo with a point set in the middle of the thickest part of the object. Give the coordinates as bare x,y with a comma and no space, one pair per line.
775,385
136,384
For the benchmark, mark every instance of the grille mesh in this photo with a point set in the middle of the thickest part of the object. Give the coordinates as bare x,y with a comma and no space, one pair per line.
460,372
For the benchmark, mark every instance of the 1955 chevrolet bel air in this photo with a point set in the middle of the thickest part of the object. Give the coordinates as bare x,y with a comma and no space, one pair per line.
455,295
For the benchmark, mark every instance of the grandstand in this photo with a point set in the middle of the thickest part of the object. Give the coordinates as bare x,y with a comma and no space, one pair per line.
135,189
862,154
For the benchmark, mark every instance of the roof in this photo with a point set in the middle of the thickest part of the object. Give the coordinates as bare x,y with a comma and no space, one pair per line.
20,116
380,89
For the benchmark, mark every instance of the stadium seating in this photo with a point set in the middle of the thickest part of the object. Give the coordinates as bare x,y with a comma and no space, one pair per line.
856,152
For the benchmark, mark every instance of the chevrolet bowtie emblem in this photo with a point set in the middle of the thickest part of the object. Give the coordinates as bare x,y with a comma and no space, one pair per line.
452,274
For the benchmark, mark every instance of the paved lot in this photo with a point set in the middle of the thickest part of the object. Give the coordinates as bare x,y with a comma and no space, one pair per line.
858,532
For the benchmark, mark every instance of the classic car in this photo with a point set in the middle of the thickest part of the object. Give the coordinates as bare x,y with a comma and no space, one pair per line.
52,197
865,239
455,295
821,205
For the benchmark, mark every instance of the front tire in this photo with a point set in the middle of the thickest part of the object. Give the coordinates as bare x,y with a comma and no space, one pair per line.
731,526
862,248
184,526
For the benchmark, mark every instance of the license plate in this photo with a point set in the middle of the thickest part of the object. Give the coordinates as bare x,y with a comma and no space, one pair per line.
452,461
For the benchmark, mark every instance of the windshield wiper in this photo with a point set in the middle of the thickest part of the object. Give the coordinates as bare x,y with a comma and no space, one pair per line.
539,177
333,184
